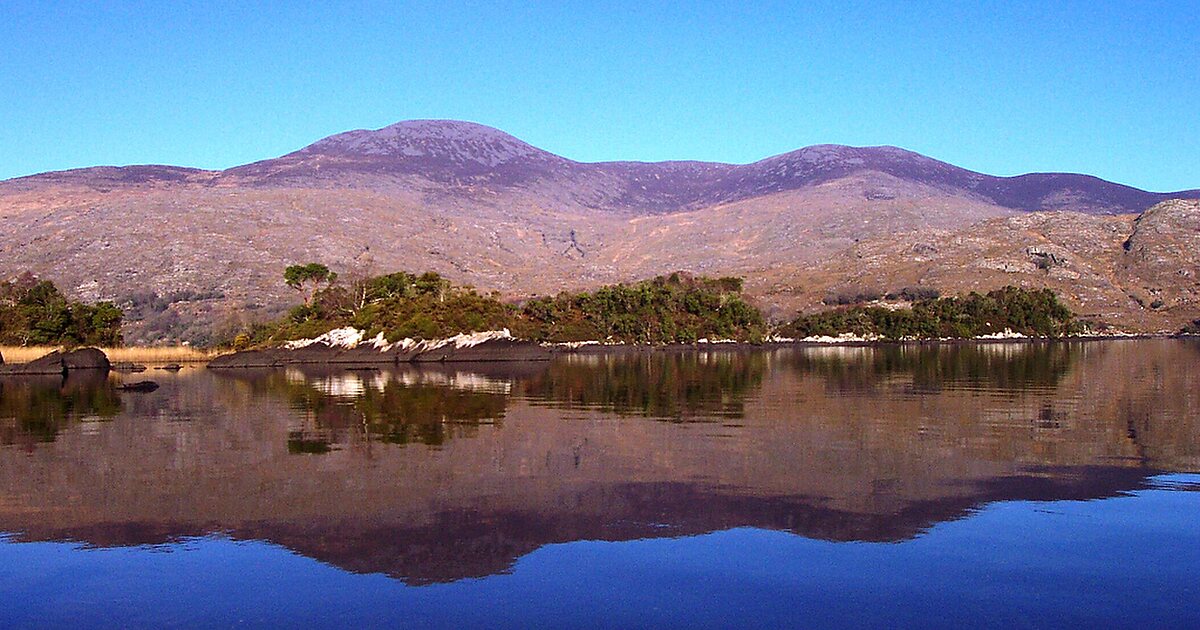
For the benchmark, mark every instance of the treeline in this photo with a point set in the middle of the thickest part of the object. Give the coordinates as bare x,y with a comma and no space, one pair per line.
671,309
34,312
668,309
1034,313
679,308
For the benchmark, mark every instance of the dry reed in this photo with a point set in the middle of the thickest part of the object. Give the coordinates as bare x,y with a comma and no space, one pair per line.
134,354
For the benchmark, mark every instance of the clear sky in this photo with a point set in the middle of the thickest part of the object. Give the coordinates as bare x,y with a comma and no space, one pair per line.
1005,87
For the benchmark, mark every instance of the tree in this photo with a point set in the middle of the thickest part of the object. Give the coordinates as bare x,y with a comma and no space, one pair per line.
33,311
307,279
360,276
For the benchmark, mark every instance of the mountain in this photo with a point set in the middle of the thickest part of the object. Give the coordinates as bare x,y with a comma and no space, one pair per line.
190,250
473,157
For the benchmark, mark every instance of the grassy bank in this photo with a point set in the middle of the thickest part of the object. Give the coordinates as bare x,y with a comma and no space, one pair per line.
151,355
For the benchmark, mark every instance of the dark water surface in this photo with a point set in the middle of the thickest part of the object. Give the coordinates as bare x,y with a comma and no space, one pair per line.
1039,485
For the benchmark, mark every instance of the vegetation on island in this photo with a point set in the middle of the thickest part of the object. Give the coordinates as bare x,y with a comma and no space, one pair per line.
1033,313
400,305
668,309
34,312
679,308
308,279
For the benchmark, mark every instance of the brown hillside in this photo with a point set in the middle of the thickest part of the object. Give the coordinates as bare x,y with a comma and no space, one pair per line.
482,207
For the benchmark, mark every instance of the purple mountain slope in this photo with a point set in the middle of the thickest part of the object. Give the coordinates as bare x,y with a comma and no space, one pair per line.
442,157
460,153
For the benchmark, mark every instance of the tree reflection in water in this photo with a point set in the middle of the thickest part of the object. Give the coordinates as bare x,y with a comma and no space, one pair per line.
668,385
934,367
410,406
35,409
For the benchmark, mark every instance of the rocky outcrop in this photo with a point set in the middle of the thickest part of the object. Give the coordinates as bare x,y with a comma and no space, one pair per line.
347,347
487,351
1161,262
59,363
251,359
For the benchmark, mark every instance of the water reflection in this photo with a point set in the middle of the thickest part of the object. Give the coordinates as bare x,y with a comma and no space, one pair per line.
675,386
933,367
441,473
409,406
36,409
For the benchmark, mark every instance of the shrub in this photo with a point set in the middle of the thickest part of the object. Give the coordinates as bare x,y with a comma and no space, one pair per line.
1034,313
919,294
667,309
852,295
34,312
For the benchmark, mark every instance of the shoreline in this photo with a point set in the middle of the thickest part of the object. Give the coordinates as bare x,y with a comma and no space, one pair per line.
597,348
331,355
499,347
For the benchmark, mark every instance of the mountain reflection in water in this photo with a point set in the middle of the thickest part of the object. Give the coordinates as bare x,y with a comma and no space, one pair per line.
440,473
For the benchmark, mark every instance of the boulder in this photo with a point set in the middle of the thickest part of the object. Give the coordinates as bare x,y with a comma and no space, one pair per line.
46,365
86,359
60,363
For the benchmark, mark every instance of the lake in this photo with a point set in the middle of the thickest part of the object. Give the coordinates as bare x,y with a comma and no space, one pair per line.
1038,485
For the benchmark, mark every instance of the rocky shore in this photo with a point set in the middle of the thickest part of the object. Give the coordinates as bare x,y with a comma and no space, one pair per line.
347,346
346,349
59,363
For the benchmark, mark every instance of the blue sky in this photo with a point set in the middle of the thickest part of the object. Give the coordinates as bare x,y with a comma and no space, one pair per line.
1107,88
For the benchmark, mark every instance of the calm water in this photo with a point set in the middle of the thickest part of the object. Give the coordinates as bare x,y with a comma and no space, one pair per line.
1000,485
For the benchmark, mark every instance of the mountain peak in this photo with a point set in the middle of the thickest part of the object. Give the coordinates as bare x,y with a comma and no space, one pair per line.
841,153
444,128
452,140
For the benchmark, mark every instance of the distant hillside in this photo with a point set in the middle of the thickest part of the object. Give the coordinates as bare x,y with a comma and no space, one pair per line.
460,157
482,207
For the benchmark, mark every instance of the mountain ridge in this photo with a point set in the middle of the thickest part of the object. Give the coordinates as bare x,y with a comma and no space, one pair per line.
464,153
